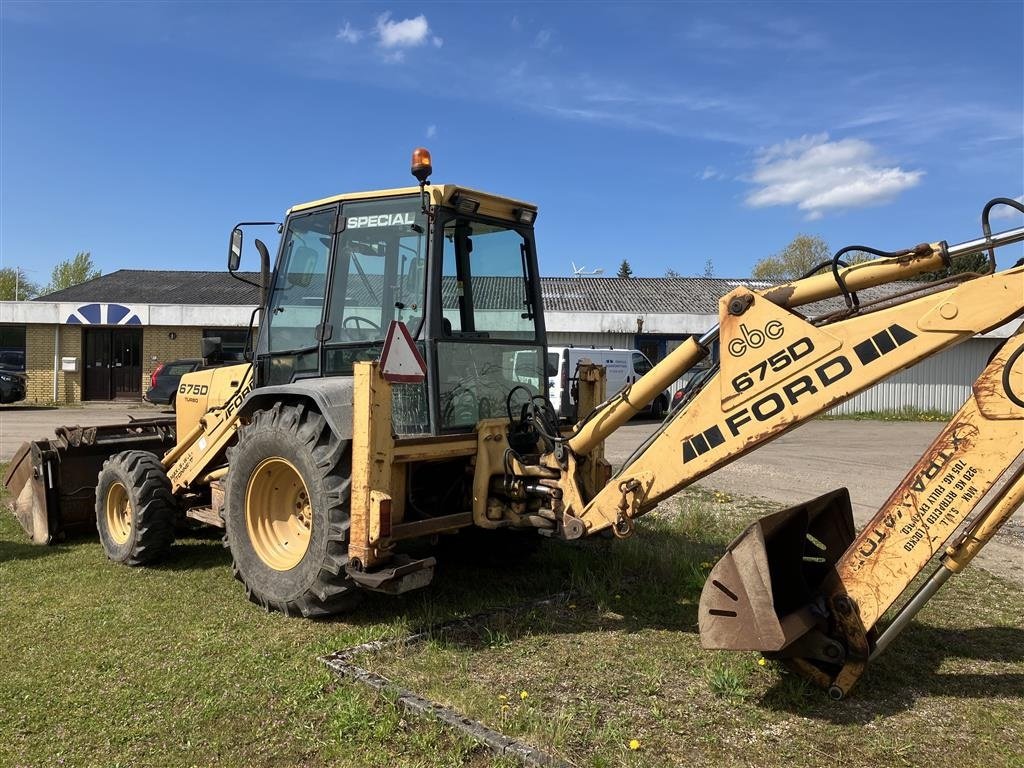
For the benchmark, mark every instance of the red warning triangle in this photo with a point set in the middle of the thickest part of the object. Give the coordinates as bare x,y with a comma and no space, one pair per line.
400,360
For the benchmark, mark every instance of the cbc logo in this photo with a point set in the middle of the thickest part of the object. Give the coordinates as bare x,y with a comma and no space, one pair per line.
755,339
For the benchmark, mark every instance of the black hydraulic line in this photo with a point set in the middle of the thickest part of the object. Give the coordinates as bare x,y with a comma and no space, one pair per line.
987,228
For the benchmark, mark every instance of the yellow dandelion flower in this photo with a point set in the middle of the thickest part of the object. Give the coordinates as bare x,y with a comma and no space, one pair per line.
761,662
634,744
524,695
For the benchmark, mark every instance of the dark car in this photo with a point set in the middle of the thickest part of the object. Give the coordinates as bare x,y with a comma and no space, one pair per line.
12,385
12,359
165,379
687,382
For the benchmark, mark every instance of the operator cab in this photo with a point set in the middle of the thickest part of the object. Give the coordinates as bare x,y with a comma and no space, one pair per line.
457,266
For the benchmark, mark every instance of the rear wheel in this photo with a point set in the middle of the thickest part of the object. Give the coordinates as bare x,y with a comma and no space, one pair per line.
658,408
287,512
135,509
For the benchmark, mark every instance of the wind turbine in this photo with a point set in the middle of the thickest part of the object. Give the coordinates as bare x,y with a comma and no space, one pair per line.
582,271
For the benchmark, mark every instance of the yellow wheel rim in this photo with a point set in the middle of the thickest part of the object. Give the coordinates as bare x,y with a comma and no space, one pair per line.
119,513
278,514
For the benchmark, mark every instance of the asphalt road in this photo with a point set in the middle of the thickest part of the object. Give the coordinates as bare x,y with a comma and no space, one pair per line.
19,423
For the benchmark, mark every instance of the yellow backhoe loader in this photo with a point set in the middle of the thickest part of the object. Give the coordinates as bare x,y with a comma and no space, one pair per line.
396,391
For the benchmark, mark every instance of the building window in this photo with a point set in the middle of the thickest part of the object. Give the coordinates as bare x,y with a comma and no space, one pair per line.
12,347
232,341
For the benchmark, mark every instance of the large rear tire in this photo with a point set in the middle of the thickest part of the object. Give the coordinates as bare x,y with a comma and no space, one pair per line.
287,512
135,509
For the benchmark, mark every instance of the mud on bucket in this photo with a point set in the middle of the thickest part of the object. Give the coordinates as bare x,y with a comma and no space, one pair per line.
767,590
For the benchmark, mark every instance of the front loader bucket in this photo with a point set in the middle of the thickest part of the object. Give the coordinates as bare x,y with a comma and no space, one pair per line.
53,482
767,590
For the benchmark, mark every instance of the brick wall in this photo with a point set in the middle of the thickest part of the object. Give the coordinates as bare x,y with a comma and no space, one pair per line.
158,347
39,364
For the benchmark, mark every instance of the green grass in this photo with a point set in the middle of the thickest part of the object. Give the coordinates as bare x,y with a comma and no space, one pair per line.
110,666
906,413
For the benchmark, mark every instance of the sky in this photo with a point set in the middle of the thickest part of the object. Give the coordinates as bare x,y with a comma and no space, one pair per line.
667,134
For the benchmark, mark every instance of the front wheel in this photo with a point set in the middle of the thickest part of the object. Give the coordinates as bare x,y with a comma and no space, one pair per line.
135,510
287,512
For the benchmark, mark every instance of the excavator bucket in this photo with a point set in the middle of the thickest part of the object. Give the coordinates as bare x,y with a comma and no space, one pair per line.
767,591
53,482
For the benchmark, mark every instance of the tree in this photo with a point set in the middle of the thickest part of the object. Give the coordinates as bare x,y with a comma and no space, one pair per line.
15,285
709,268
672,274
73,272
974,262
625,270
794,261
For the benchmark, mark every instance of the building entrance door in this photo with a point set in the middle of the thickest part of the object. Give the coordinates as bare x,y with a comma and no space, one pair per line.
112,363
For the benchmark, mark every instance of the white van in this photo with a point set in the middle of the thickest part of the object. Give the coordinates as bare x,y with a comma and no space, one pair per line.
622,367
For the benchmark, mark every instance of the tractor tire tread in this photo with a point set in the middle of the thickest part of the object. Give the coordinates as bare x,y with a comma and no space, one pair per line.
154,508
329,590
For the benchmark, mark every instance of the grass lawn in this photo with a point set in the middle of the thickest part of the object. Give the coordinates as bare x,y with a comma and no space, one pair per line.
109,666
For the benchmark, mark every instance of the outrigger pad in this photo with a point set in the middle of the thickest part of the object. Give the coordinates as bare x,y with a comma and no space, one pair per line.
764,592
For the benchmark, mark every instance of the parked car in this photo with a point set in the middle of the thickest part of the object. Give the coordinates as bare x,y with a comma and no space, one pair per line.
622,367
12,359
12,385
686,384
165,379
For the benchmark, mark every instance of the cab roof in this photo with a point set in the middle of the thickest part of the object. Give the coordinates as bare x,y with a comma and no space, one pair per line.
440,194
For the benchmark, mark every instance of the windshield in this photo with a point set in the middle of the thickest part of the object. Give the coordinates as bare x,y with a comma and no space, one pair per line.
380,274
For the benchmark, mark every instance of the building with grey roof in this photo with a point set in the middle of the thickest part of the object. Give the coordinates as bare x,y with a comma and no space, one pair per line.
102,339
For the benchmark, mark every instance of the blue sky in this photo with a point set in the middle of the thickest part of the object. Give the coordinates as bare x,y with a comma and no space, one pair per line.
663,133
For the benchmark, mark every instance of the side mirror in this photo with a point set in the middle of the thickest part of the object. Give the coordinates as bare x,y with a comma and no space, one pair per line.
235,250
212,349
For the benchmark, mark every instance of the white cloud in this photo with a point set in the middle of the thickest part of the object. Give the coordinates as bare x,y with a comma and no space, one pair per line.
350,34
393,37
752,34
431,131
542,39
1007,212
407,33
817,175
711,174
